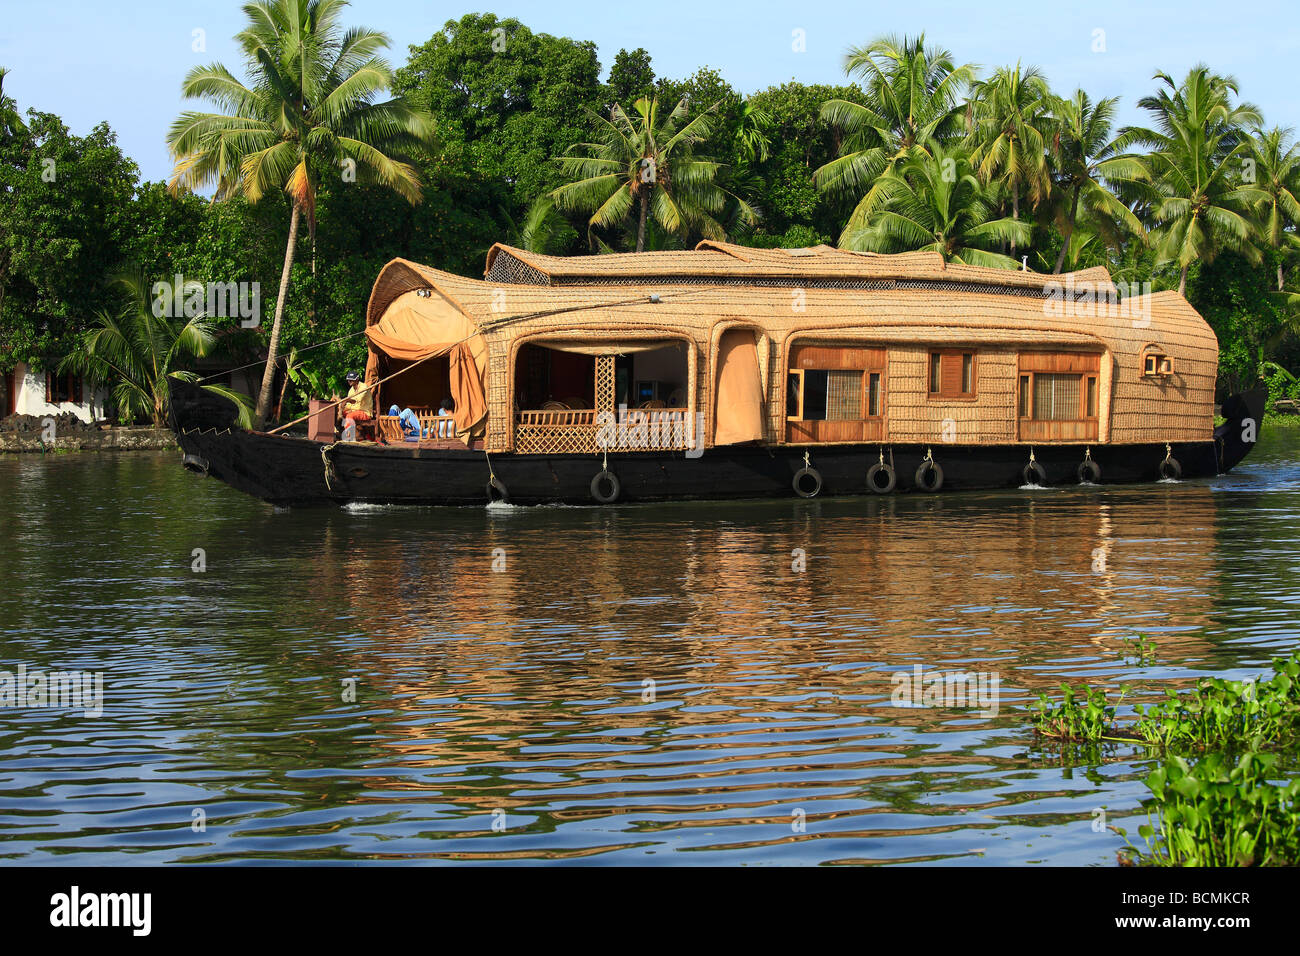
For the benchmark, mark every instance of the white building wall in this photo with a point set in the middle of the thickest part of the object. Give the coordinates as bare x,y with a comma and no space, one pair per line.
30,385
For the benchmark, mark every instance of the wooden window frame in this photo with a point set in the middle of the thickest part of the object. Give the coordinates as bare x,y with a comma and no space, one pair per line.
959,355
75,389
799,373
864,402
1025,399
1164,365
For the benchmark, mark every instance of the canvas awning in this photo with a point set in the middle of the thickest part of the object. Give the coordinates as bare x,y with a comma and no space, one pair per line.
609,345
417,327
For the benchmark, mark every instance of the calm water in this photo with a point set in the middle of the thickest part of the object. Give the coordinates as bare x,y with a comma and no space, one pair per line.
653,684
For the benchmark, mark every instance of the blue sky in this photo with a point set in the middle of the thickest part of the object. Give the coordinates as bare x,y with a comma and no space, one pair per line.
139,50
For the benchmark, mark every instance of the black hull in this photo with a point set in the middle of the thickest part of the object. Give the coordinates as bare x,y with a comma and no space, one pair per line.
293,472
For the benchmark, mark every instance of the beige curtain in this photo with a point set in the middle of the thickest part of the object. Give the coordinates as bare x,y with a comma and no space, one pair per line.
738,411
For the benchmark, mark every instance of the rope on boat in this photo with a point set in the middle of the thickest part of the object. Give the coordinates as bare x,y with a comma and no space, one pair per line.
330,474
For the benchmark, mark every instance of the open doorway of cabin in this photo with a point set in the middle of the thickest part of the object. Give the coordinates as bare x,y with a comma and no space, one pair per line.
553,379
423,387
652,378
566,392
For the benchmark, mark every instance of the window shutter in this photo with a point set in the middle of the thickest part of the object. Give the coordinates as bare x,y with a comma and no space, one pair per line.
950,374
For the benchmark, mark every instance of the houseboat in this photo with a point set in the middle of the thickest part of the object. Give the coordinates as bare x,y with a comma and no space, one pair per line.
727,371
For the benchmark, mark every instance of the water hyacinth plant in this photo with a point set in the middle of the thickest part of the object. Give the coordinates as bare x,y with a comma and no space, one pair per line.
1222,810
1219,813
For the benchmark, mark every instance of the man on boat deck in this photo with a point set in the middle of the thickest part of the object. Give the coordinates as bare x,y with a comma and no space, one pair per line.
361,401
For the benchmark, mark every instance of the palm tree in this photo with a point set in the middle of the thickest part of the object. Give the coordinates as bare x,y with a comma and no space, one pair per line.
1198,204
9,118
934,201
648,165
1009,117
912,95
138,346
310,108
752,140
1087,155
543,229
1277,173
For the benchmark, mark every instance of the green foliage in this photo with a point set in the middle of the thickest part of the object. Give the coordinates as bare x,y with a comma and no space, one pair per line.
506,100
1139,650
643,167
1228,714
1226,809
64,201
137,347
1281,383
1087,718
911,104
1197,201
630,76
934,201
1217,812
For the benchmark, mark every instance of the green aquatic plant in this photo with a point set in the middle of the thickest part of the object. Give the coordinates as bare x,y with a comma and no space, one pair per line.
1233,715
1219,813
1141,651
1087,718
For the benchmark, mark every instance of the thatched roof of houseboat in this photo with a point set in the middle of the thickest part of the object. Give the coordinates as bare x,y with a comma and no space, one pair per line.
610,302
725,261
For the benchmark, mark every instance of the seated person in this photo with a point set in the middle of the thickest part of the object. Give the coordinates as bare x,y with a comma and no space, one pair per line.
446,429
407,421
360,404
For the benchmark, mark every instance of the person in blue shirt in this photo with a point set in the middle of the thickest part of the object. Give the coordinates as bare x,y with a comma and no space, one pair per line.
408,421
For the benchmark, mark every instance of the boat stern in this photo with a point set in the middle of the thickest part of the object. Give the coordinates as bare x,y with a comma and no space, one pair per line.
1234,439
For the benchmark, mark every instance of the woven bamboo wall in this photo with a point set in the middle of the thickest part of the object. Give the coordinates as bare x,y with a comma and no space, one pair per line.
988,419
906,321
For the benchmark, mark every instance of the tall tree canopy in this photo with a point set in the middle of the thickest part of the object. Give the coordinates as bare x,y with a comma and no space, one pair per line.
311,109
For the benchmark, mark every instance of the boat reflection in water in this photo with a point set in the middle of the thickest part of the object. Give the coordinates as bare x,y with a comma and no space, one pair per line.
556,663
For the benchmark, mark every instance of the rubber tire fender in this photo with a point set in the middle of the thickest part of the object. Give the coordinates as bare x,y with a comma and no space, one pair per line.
615,487
796,482
196,464
496,491
1034,474
891,476
1169,468
929,465
1088,471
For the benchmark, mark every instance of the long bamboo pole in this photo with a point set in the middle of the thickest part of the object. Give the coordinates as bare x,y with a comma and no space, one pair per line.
363,391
